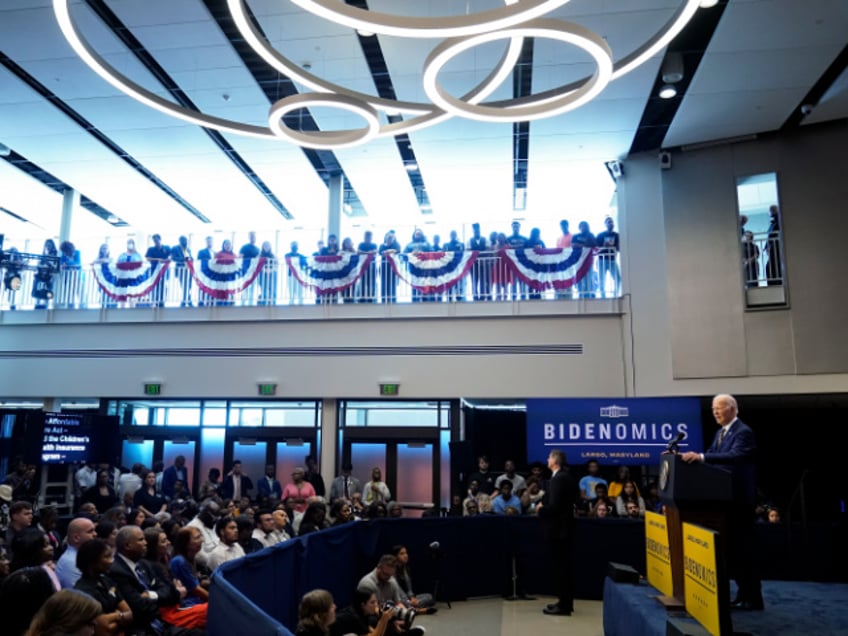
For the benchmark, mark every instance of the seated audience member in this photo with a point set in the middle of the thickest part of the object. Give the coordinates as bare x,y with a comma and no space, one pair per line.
80,530
4,562
455,509
228,549
394,509
204,521
377,510
341,512
88,510
357,505
652,499
316,613
107,531
282,527
48,519
94,559
32,548
484,478
183,567
589,483
773,515
358,617
135,517
21,595
631,510
481,499
470,508
628,494
600,510
314,519
159,551
211,486
518,482
245,533
531,496
381,582
264,528
584,506
505,499
616,485
68,612
404,579
144,590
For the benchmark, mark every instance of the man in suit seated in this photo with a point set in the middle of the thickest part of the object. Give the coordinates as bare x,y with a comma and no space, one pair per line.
144,591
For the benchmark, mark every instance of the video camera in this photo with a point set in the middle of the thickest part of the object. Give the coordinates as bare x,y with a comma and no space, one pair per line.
404,614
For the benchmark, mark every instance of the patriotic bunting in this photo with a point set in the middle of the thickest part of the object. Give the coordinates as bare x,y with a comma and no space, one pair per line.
129,280
330,274
557,268
432,272
225,276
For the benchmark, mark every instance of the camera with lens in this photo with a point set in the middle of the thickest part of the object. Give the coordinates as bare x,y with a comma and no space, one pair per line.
403,614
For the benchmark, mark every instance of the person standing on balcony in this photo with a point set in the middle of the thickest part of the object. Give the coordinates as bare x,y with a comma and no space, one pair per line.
516,241
751,260
774,267
181,253
608,242
206,254
368,285
294,287
481,275
388,278
248,252
158,255
585,239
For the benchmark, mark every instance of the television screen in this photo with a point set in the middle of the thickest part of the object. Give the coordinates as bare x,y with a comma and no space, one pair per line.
69,438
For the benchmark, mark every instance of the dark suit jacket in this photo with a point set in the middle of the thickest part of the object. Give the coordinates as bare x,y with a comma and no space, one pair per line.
264,489
737,453
169,477
227,487
557,511
144,609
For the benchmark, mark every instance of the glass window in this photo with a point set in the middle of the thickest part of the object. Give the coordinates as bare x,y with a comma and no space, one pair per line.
215,414
183,416
392,413
761,237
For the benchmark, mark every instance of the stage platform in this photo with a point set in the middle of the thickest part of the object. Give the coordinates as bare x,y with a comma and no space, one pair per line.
793,608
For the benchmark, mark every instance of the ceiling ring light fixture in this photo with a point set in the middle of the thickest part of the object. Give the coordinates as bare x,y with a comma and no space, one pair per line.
527,108
321,138
511,15
421,115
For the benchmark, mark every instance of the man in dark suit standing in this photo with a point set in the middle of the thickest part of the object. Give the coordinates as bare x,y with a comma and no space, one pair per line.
556,511
173,474
143,590
236,484
734,449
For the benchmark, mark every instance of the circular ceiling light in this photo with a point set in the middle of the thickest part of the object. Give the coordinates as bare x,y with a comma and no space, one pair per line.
668,91
531,107
323,139
512,14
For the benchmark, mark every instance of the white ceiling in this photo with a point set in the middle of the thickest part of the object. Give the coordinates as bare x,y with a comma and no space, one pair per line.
763,58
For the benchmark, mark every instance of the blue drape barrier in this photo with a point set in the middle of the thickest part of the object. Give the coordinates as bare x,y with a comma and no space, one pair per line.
475,558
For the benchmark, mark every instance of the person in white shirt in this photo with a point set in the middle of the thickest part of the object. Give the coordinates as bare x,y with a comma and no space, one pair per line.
264,531
228,548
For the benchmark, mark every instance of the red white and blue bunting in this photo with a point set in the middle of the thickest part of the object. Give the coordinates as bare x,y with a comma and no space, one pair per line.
432,272
225,276
129,280
555,268
330,274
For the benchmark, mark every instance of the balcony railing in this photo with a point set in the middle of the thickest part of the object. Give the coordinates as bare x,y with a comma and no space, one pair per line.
488,279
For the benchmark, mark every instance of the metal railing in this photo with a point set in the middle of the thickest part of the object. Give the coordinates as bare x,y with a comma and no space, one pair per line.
762,260
488,280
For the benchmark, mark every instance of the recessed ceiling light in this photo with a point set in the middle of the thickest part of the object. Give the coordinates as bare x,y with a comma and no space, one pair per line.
706,4
668,91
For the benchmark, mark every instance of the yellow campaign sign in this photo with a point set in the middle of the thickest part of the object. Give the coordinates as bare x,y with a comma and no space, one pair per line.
658,553
700,579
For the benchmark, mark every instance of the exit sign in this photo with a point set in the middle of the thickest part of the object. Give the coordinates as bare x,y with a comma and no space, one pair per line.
153,388
267,389
389,390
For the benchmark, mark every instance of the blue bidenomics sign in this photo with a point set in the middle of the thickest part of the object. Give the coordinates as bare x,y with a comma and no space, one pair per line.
630,431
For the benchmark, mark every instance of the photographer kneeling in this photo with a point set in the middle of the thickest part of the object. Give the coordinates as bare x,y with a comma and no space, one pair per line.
381,583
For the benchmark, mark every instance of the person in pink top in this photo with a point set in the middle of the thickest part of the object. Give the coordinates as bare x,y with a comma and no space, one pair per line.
300,490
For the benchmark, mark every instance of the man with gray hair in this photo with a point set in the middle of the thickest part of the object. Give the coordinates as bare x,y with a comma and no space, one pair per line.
204,521
734,449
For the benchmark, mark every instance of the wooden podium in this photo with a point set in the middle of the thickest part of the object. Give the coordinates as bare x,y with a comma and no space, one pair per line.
700,494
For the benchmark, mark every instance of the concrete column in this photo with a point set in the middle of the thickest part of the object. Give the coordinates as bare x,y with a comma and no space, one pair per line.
335,205
329,438
70,201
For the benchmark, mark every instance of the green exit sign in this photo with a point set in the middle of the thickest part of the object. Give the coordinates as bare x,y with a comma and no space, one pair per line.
389,390
153,388
267,389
